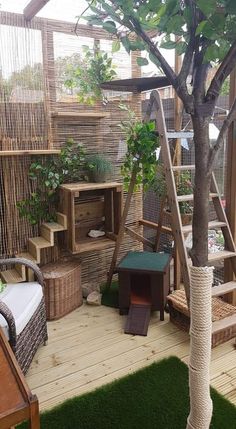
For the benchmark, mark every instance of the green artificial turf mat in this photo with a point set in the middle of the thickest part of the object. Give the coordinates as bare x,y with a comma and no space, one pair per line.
155,397
110,297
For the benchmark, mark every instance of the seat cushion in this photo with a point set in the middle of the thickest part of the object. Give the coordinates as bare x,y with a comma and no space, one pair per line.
22,299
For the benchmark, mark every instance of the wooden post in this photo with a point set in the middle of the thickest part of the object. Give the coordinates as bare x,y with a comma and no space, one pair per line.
122,226
49,79
231,182
178,114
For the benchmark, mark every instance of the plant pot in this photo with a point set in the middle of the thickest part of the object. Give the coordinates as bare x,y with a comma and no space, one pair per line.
98,177
186,218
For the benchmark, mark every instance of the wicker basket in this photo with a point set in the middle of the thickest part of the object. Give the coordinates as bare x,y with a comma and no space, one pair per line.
179,315
63,292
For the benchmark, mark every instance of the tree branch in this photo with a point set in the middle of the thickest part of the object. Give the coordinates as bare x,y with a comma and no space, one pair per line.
188,57
223,71
219,142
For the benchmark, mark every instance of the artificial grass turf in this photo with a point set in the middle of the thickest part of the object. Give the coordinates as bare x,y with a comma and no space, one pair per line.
155,397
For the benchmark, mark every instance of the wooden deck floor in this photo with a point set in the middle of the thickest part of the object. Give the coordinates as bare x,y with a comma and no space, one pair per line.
88,348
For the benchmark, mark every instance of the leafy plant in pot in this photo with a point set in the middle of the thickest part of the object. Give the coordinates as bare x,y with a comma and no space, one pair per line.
99,168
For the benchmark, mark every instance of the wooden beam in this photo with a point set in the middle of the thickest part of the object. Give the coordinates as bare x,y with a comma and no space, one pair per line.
153,225
138,237
231,182
37,23
33,7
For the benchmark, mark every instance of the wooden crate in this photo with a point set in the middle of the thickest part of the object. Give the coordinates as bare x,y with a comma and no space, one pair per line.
62,291
91,206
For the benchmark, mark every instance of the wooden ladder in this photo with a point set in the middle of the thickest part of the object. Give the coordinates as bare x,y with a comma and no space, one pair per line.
180,231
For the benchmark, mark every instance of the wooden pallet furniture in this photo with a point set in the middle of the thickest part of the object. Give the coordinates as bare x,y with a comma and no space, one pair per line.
144,283
90,206
17,402
20,273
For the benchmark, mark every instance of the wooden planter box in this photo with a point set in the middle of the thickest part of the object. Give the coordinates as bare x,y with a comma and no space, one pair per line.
179,315
62,291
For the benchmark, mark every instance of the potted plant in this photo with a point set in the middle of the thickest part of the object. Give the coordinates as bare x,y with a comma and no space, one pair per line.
183,187
46,176
99,168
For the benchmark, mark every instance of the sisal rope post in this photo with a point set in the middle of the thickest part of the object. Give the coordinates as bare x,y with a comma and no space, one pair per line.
201,279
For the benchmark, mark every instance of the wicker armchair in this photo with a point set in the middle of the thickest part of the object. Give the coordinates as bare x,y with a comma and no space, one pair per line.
23,315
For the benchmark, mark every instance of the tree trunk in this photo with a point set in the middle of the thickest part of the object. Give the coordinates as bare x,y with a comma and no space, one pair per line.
200,287
199,252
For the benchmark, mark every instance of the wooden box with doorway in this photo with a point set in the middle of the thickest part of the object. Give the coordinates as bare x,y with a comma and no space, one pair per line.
91,206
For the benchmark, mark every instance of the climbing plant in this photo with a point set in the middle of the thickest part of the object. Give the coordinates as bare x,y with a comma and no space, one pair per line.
86,77
142,143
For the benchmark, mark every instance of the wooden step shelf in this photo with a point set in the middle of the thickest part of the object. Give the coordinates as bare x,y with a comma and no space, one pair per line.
224,289
91,206
74,114
29,152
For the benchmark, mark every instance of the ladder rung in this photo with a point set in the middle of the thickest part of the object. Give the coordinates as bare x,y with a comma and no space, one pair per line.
223,289
217,256
223,254
179,134
227,322
190,197
211,225
183,167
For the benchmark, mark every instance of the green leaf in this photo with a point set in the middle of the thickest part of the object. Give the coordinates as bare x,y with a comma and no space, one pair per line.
207,6
115,46
142,61
169,44
110,26
231,6
200,27
181,47
126,43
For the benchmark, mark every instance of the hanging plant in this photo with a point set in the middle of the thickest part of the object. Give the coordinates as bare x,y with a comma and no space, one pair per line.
86,77
142,143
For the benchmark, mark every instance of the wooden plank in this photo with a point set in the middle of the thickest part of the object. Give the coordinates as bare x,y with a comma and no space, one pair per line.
220,325
87,186
190,197
183,167
29,152
108,210
117,208
87,345
90,210
211,225
92,245
223,289
33,7
140,238
154,225
11,276
7,18
83,114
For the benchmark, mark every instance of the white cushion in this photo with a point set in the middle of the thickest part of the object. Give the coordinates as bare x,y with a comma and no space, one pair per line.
22,299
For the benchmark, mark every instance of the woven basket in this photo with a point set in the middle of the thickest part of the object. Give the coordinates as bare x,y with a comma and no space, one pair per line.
63,292
179,315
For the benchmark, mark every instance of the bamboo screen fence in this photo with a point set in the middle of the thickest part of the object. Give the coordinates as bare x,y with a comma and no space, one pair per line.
33,57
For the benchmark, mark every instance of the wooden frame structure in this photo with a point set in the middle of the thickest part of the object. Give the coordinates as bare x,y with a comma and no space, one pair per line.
33,7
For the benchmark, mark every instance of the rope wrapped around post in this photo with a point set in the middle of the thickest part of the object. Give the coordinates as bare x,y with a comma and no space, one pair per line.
201,279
